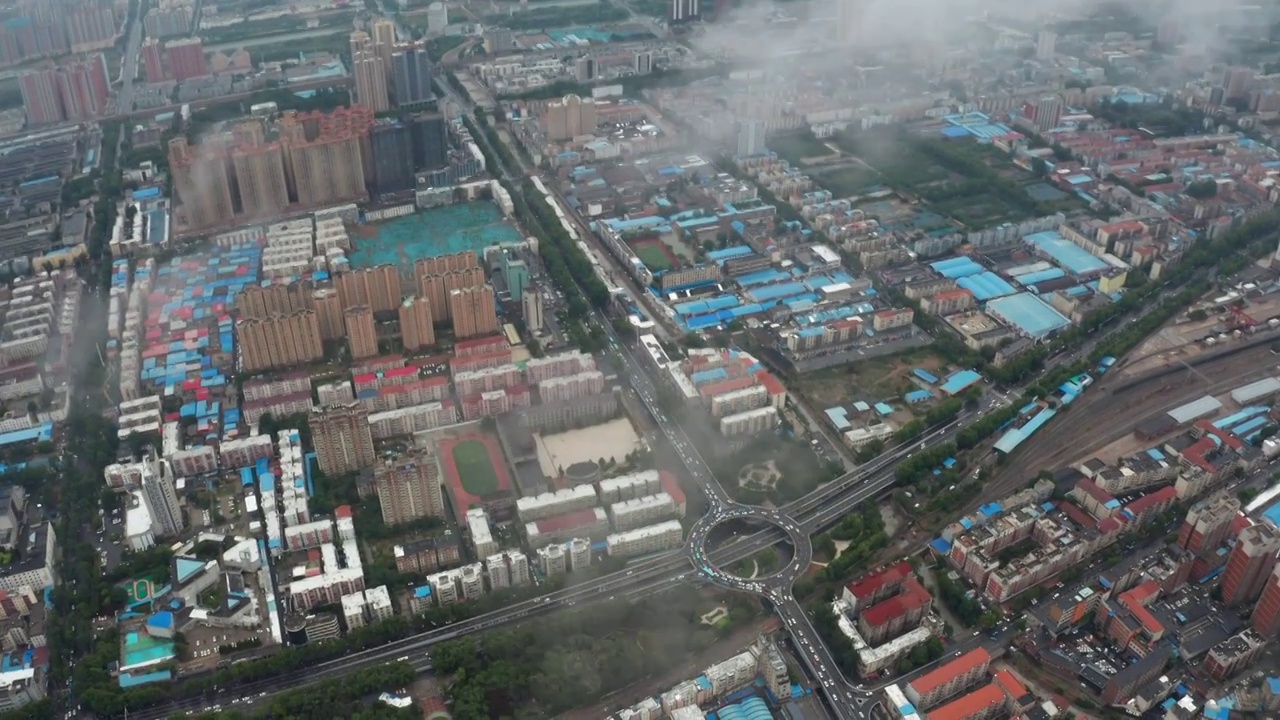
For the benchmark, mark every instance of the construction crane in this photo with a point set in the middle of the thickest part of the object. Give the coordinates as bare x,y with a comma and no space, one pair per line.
1241,320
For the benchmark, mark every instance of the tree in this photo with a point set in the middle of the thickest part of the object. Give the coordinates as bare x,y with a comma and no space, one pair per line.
1202,189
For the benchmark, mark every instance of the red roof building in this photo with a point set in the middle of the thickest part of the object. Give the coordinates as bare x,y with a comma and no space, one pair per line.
901,613
877,586
981,704
671,486
948,680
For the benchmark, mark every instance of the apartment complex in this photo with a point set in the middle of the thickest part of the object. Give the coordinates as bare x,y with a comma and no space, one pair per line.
237,174
342,438
408,487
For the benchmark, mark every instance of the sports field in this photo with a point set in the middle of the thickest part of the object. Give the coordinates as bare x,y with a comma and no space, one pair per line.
478,476
654,255
473,471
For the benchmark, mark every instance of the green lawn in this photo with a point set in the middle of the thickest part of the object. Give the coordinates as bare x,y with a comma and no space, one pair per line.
653,258
474,468
796,147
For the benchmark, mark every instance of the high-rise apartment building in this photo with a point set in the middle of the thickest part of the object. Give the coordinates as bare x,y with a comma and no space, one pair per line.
1207,524
153,60
362,336
411,76
1046,45
328,305
1266,614
1237,81
849,17
279,341
378,287
40,97
257,301
260,178
408,487
1048,112
585,69
430,138
531,304
440,264
392,147
201,179
683,11
437,288
1250,563
91,27
642,62
342,438
416,328
370,73
186,58
474,311
317,144
750,138
161,498
83,87
384,39
571,116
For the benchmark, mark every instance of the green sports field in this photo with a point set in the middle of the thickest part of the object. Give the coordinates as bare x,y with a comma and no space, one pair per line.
653,257
475,470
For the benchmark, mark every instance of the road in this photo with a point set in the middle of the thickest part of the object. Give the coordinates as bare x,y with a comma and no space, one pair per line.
129,66
794,522
821,509
841,697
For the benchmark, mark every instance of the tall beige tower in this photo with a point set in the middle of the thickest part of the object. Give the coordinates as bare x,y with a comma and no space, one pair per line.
361,333
408,487
370,70
474,311
415,324
279,341
436,289
342,438
204,186
260,176
384,41
317,144
328,307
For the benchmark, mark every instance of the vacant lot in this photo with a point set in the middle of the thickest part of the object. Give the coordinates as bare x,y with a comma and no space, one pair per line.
977,185
869,380
611,441
477,473
849,180
797,148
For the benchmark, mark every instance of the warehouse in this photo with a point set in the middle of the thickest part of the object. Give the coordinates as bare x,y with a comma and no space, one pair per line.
1195,410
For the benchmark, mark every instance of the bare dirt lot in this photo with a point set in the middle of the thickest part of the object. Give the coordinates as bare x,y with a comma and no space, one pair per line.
869,380
612,440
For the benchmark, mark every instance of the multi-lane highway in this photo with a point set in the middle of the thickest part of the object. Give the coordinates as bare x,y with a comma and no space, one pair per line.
793,524
820,509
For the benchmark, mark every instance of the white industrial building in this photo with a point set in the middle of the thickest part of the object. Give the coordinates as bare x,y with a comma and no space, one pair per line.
557,502
631,514
641,541
627,487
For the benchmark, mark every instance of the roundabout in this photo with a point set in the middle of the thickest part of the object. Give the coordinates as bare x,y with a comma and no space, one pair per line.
723,525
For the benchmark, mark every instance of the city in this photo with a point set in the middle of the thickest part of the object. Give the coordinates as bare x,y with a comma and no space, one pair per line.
639,360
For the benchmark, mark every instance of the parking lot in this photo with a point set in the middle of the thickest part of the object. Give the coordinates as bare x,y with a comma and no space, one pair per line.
203,643
108,541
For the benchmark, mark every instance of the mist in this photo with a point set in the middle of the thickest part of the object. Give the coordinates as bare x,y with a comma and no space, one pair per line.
760,33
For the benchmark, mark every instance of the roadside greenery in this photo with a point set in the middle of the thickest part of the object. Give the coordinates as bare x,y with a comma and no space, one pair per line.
345,698
568,266
545,669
